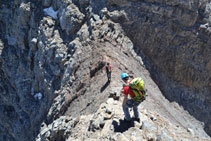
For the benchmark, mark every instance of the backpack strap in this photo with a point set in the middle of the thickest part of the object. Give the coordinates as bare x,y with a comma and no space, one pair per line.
139,95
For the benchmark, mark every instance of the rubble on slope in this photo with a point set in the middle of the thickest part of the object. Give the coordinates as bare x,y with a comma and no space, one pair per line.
108,124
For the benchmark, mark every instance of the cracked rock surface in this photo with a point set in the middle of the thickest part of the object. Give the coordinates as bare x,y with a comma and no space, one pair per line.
60,55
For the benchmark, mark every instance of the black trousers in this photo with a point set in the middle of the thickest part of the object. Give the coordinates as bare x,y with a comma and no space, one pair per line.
109,76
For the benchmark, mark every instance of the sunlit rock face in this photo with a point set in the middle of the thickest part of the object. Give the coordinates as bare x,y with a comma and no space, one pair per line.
173,39
53,52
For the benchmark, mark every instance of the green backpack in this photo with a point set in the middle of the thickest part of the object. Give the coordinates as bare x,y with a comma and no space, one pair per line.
137,84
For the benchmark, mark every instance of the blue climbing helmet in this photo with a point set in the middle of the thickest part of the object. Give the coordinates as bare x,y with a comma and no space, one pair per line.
124,75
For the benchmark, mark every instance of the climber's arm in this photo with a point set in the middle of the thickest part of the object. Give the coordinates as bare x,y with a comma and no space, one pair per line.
124,100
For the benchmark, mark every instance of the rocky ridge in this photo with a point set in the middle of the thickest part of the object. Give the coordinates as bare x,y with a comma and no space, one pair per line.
61,54
173,39
108,124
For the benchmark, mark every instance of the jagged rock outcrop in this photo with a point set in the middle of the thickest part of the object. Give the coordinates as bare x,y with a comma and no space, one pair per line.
60,52
108,124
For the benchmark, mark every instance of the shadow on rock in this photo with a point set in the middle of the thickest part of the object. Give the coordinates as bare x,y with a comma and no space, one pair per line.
122,126
104,86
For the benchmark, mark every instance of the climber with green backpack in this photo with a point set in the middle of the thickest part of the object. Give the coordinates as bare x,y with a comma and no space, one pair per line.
135,89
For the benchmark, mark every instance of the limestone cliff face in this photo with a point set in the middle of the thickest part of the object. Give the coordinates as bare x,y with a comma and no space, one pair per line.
58,49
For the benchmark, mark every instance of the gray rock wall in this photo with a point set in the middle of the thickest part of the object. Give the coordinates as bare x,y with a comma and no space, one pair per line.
46,54
34,58
173,39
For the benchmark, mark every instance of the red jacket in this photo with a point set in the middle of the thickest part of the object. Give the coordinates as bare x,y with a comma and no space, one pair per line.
109,67
128,90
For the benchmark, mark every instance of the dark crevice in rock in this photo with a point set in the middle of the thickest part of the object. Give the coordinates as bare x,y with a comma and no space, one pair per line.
9,111
59,136
32,63
80,86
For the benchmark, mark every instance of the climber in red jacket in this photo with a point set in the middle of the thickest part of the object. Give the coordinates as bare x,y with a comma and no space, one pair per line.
129,103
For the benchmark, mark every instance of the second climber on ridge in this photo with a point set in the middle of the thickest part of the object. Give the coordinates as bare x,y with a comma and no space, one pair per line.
108,71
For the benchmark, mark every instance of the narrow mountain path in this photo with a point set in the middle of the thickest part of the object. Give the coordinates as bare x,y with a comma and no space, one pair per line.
97,90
